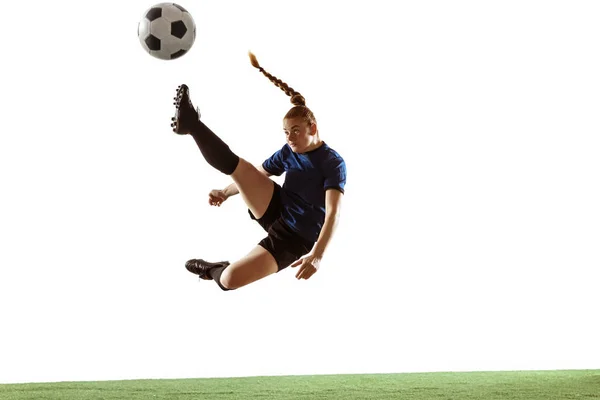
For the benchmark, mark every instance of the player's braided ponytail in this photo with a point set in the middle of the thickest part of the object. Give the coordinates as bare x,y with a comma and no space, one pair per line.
299,109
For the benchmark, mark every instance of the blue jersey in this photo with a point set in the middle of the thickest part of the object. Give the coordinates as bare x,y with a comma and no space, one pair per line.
308,176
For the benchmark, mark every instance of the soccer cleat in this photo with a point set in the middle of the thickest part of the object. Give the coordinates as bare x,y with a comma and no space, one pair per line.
185,115
201,267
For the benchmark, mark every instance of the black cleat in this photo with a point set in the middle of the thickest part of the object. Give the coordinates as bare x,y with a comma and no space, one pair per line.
201,267
185,115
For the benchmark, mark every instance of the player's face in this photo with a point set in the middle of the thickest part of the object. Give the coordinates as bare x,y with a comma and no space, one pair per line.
299,134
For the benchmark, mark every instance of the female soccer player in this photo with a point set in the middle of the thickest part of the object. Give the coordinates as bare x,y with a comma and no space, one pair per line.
299,218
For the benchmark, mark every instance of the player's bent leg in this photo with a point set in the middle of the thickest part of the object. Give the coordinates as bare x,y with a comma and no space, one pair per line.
256,265
255,187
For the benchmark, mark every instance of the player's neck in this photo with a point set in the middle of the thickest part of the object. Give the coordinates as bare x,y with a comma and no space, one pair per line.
317,143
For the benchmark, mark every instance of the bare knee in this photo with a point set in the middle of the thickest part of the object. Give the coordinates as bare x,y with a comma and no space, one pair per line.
242,166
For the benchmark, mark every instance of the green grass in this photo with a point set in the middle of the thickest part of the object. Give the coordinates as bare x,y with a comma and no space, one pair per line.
543,385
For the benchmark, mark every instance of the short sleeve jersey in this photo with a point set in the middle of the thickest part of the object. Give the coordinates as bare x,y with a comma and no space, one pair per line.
308,176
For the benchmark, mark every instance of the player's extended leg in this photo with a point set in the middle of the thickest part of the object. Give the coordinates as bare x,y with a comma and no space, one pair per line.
256,265
255,188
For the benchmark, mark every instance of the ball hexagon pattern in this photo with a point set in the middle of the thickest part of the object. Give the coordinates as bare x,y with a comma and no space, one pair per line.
167,31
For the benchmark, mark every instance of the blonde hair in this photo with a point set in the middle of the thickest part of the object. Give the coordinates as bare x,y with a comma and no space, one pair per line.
299,109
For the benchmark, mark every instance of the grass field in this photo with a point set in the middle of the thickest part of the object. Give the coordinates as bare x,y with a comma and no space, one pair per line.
542,385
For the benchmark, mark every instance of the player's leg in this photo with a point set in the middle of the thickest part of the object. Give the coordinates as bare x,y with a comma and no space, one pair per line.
257,264
255,188
274,253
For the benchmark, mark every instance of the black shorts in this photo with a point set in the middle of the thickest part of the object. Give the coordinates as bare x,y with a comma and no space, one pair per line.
285,245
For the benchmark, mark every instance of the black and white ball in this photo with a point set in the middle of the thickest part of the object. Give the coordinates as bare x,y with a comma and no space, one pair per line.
167,31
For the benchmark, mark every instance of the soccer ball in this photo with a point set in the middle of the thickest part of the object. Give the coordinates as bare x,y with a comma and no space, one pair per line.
167,31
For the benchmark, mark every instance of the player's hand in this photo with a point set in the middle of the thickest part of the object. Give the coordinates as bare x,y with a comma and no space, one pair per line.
309,264
216,197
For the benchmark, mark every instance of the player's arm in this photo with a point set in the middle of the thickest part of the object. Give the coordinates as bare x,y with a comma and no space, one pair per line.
333,205
232,189
309,264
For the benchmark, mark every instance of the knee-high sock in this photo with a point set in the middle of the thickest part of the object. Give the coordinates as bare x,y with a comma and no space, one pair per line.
214,150
215,273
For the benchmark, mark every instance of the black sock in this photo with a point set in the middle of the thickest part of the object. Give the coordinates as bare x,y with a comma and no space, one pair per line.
214,150
215,273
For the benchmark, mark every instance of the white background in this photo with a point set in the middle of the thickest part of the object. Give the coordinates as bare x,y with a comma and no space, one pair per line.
469,237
